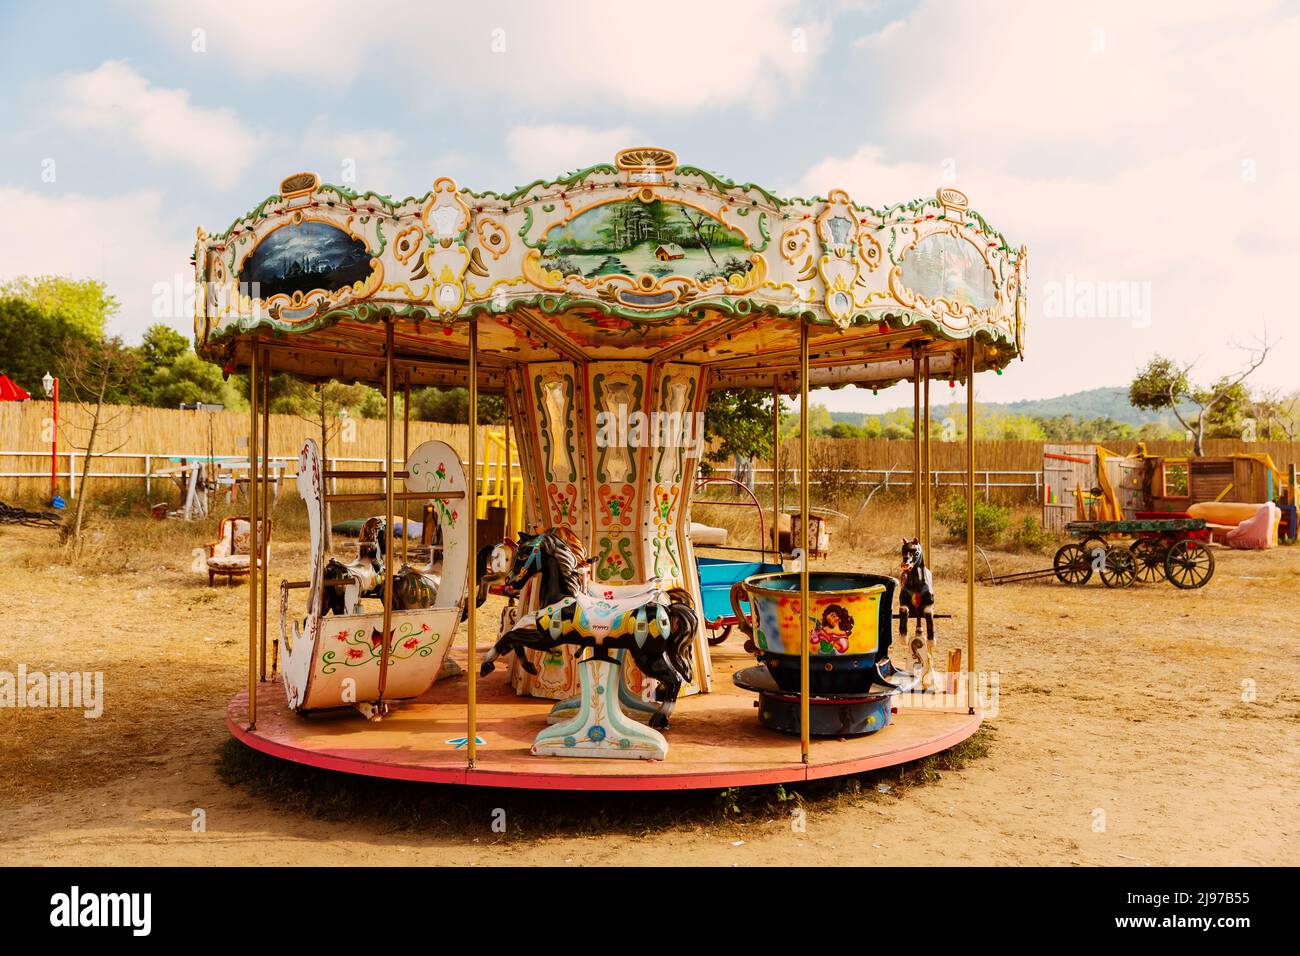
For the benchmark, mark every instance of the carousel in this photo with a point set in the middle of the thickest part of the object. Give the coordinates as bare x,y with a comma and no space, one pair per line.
604,306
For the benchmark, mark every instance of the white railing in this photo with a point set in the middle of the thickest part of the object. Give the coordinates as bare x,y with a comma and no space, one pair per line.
281,467
899,479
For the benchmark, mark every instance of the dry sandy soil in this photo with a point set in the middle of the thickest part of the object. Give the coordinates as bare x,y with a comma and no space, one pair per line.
1149,726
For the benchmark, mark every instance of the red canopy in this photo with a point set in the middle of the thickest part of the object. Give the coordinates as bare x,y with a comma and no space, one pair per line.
10,391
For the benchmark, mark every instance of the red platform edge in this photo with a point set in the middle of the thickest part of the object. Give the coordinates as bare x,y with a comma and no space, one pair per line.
589,781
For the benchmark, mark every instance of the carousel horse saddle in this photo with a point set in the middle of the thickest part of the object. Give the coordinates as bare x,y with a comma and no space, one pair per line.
609,610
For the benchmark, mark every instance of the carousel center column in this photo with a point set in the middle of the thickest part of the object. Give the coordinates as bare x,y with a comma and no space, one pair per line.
609,450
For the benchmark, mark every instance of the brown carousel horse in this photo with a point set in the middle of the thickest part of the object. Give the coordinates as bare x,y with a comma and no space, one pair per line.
656,627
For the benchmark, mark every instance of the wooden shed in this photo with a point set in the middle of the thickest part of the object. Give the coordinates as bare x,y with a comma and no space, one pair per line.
1174,484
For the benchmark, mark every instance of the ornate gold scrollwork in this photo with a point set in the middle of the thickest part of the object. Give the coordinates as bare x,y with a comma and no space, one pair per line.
837,227
794,243
407,242
446,217
493,237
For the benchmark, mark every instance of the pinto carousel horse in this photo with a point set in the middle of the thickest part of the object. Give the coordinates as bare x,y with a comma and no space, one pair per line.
656,627
916,599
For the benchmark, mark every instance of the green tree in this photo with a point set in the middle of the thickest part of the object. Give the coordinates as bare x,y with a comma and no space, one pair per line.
171,374
1227,418
738,422
33,342
97,374
1164,384
844,430
1277,415
162,345
452,405
189,379
83,303
819,420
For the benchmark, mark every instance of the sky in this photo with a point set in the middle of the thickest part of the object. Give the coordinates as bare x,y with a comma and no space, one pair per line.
1145,153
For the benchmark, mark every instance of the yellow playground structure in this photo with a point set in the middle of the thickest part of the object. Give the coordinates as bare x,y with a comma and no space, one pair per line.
500,482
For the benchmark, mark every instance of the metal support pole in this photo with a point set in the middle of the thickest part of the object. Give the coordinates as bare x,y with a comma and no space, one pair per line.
928,509
253,382
970,524
510,480
388,506
471,621
406,463
54,446
917,493
805,604
776,472
262,536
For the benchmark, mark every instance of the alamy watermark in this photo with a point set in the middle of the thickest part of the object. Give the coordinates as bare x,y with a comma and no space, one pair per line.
1077,298
76,908
72,690
175,299
954,693
623,429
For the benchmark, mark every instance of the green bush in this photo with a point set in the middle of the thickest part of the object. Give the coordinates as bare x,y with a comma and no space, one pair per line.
990,520
1029,535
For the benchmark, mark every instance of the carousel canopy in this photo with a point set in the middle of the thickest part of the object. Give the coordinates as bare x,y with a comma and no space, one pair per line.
644,259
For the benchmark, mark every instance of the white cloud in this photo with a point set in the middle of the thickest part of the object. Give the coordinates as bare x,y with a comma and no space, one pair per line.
672,56
131,242
550,149
116,101
369,157
1160,160
889,33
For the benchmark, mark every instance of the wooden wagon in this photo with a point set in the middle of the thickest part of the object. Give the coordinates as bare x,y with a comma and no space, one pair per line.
1172,548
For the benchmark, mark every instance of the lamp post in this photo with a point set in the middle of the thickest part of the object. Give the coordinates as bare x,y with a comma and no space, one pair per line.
52,390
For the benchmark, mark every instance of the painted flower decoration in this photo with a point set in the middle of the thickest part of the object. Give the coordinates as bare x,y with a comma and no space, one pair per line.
355,653
341,636
411,643
424,626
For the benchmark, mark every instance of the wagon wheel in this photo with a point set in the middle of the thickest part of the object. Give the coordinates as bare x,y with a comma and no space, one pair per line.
1149,558
716,637
1093,541
1189,565
1072,564
1118,570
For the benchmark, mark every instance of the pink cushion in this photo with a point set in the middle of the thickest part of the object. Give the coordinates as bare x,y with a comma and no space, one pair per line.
1259,531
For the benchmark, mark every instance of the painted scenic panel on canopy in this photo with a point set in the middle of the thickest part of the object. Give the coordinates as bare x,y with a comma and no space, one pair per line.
302,257
943,266
635,238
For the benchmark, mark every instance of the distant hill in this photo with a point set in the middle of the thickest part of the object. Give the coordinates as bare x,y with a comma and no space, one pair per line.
1094,403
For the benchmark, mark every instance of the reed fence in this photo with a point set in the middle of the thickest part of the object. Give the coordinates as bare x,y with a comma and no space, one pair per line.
146,440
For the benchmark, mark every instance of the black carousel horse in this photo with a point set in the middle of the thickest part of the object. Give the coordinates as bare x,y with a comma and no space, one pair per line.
413,588
656,628
364,577
916,600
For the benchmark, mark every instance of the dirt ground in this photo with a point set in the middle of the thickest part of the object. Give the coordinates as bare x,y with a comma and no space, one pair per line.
1142,727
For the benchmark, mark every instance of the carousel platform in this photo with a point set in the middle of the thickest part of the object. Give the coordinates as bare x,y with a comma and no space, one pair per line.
716,740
